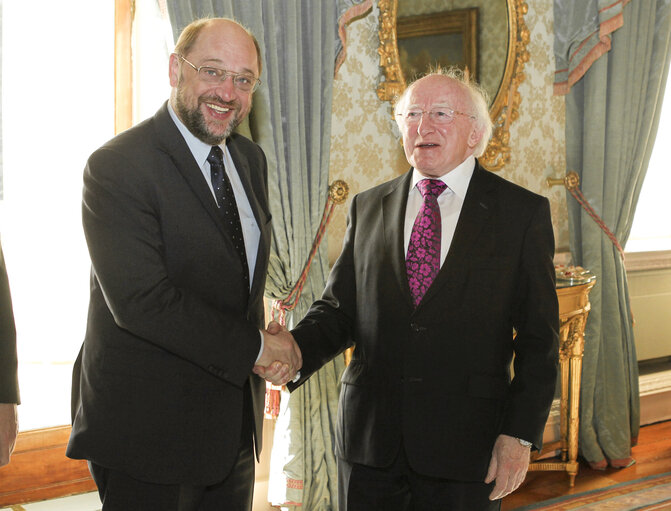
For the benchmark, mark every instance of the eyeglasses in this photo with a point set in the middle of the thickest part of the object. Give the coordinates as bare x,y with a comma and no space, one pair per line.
437,115
246,82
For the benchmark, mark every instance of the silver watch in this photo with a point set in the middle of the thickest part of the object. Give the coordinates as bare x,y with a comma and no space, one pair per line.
524,442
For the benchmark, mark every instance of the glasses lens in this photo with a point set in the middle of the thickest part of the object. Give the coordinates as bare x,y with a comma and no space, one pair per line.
210,74
412,116
438,116
244,81
442,116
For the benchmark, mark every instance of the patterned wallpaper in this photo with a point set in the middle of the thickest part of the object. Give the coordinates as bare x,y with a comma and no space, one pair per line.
365,144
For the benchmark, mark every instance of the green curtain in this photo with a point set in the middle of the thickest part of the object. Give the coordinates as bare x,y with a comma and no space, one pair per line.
291,120
612,115
582,31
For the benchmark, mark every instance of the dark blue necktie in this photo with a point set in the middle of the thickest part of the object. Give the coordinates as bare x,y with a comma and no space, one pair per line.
227,205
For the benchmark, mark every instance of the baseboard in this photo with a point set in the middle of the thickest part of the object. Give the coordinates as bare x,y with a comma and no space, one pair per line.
655,392
39,469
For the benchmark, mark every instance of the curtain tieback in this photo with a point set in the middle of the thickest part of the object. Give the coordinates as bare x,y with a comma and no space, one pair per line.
572,184
338,192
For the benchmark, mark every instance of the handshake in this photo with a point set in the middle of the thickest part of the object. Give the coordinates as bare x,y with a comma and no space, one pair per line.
281,357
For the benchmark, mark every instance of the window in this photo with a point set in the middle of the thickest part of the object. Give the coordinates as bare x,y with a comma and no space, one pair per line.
51,123
651,230
57,107
152,43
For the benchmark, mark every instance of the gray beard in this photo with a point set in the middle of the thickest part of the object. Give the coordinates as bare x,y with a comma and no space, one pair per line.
195,122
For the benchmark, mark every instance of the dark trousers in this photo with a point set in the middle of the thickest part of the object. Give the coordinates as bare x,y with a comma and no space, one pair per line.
120,492
399,488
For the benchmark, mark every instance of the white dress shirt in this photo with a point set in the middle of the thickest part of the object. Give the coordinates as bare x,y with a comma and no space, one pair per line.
450,203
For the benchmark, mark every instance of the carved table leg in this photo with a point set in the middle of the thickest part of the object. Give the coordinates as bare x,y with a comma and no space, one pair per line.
573,310
576,332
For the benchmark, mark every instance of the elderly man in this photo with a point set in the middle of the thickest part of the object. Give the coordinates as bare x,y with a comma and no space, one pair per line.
438,268
166,407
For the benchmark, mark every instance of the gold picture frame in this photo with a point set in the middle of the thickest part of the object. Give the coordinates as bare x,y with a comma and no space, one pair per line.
441,39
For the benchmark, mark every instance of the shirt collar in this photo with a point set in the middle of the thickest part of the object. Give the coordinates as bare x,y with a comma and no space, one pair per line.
199,149
456,180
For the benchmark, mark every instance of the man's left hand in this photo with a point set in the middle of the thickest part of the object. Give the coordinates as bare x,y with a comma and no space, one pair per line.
508,466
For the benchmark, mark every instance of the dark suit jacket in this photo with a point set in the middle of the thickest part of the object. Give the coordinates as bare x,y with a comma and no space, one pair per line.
172,332
9,384
437,378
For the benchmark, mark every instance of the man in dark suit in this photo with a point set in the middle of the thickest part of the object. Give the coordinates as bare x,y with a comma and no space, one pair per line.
429,417
165,405
9,384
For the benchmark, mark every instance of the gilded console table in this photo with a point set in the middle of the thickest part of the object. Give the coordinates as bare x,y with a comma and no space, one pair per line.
573,287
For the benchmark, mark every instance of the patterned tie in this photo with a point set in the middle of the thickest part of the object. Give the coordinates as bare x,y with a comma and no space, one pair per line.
423,260
227,205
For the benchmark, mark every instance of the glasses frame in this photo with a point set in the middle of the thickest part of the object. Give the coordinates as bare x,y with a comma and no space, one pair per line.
422,112
226,74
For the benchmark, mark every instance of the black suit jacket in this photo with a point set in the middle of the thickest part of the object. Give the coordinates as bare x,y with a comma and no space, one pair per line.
437,378
9,384
172,332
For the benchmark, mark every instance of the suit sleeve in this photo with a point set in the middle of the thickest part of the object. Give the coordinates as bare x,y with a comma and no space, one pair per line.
123,228
536,322
326,330
9,384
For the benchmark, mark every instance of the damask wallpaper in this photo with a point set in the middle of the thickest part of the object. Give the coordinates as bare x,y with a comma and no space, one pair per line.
365,144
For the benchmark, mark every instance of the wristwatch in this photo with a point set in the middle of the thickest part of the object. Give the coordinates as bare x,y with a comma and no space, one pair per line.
524,442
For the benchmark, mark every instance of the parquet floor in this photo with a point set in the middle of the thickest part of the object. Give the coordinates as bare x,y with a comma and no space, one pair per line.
652,455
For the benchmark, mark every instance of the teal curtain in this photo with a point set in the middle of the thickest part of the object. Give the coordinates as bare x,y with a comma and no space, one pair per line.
582,31
291,120
612,115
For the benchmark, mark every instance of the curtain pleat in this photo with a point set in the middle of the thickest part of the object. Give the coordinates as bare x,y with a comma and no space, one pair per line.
582,34
612,115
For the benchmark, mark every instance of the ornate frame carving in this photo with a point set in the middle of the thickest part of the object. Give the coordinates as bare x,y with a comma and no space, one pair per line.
503,110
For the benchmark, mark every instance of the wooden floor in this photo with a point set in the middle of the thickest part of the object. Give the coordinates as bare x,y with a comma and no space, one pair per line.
652,455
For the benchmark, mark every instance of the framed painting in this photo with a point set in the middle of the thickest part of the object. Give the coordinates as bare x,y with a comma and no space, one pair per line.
442,39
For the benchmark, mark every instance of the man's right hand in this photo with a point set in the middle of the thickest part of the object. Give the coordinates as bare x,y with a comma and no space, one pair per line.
281,358
9,426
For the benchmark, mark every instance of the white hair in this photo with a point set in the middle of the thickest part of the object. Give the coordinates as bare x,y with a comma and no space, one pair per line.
478,97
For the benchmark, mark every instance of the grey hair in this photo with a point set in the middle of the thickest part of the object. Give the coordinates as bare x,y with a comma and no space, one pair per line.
477,95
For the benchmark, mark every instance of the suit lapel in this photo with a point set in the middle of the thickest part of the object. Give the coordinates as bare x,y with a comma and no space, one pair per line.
259,208
173,144
393,211
474,215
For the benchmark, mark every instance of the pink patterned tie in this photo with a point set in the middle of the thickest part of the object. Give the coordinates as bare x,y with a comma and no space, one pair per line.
423,260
